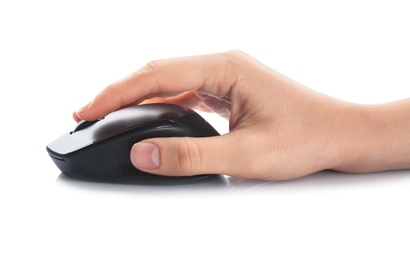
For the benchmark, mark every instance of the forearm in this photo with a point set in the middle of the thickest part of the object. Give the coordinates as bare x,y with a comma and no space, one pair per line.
375,137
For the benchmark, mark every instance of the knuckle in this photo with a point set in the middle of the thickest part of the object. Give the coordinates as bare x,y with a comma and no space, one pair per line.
236,64
189,156
238,54
111,89
235,57
151,66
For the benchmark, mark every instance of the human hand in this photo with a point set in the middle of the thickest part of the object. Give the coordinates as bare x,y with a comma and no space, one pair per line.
279,129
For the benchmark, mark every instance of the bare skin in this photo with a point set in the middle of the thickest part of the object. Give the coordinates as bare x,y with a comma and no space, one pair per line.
279,129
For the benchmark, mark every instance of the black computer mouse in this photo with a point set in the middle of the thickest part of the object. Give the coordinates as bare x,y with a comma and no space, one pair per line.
100,150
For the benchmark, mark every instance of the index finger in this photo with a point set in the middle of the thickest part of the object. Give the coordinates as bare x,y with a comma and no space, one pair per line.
212,73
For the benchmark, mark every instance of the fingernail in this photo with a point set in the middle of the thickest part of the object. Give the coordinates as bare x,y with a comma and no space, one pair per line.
145,156
83,108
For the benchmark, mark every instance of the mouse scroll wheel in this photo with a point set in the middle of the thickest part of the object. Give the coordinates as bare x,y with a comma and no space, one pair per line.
84,124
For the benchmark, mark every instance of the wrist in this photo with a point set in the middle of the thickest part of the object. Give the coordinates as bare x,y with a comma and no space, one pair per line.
374,137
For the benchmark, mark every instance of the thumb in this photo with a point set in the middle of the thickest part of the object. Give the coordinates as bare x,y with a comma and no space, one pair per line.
184,156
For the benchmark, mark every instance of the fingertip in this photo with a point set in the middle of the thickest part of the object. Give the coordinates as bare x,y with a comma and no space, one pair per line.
76,117
98,108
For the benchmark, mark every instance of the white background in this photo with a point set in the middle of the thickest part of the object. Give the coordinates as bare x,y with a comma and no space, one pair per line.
56,55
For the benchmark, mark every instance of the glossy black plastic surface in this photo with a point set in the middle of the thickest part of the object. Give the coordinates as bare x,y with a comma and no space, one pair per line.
100,151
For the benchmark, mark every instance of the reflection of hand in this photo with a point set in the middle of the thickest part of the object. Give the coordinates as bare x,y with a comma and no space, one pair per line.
279,129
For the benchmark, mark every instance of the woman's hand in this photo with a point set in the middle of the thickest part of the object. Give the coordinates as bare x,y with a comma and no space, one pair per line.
279,129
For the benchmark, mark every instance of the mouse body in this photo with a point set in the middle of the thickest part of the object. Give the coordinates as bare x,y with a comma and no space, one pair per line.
100,150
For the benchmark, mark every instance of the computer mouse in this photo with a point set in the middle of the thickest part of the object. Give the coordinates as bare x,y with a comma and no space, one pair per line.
100,150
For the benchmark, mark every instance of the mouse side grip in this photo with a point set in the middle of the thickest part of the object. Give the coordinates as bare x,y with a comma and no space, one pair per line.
100,163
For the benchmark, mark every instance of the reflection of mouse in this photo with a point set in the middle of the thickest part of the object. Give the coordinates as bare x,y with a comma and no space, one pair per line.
100,150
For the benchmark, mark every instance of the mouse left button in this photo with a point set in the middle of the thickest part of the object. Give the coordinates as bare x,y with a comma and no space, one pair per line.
84,124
